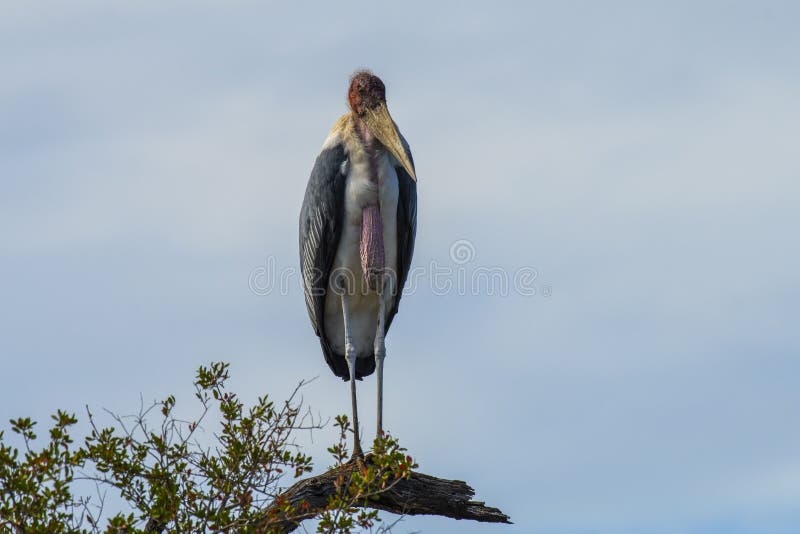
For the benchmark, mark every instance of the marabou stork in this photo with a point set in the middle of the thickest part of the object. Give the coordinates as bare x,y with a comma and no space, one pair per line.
357,229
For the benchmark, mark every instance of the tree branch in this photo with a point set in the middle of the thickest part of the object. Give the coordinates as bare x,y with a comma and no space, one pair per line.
417,494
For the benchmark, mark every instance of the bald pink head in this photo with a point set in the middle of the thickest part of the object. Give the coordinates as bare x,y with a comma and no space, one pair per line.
367,98
366,91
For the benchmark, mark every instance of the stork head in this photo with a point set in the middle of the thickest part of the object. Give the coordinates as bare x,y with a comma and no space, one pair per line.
367,99
366,92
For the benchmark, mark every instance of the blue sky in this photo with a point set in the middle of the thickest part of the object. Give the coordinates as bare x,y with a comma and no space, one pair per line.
641,157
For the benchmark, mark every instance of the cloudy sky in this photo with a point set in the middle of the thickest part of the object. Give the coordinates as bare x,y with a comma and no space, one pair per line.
636,162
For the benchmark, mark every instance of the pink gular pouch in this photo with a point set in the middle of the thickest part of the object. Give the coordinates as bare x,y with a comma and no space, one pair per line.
372,254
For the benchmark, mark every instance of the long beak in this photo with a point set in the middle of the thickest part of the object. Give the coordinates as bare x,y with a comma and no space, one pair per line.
382,126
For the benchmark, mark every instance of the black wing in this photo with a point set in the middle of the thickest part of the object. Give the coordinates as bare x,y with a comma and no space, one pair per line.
406,230
321,220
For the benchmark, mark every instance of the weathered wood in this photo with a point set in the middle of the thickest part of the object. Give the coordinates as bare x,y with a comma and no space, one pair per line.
418,494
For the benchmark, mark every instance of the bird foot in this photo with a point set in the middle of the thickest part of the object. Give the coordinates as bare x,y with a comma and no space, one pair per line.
362,462
359,459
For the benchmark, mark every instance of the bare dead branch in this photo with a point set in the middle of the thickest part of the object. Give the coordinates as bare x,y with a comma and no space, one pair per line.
418,494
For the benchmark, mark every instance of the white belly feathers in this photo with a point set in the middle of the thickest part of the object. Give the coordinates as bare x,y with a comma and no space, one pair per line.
360,191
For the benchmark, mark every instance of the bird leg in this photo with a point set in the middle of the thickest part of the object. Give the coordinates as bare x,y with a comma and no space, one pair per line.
380,344
350,356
